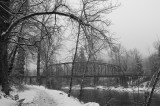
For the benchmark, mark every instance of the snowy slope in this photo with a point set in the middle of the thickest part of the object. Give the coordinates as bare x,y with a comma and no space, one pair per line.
40,96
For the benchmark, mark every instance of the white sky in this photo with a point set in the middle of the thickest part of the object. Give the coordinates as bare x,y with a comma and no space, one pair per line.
137,24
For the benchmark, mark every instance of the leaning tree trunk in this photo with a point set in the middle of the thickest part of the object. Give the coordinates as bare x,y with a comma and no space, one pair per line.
73,63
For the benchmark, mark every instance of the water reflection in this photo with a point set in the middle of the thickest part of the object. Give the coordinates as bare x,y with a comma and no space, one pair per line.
114,98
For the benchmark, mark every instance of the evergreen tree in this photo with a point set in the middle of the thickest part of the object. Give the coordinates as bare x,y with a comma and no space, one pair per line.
81,62
81,56
139,66
154,63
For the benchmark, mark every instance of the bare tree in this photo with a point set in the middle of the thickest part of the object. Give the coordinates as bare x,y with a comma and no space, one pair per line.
91,20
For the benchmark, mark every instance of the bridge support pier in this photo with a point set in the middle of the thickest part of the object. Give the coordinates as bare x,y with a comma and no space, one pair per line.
96,80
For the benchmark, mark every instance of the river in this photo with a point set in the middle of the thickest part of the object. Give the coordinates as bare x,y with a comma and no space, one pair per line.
114,98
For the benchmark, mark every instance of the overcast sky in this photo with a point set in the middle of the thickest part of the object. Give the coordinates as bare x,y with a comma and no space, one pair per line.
137,24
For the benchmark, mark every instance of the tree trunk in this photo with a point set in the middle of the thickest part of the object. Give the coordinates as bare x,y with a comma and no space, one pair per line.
20,61
38,61
73,63
11,65
4,24
4,66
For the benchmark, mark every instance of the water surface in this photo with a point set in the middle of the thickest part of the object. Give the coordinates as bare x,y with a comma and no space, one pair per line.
114,98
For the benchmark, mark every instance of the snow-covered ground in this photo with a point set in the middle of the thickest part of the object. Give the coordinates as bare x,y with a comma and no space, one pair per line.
32,95
40,96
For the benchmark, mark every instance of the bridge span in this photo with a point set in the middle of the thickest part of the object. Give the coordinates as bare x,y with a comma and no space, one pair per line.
95,73
91,69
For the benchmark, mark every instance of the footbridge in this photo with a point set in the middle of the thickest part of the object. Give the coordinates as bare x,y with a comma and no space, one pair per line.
91,69
94,72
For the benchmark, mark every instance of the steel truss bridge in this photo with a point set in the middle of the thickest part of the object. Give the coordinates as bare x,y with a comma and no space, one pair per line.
91,69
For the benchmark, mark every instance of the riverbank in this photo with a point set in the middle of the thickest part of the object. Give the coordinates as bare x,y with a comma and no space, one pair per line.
31,95
129,89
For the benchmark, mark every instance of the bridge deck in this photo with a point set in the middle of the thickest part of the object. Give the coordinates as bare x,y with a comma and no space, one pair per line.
89,76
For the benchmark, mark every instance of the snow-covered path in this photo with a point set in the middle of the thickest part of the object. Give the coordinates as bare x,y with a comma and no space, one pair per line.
41,99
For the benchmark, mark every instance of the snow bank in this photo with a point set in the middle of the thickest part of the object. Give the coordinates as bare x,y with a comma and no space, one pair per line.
118,89
35,94
7,102
91,104
62,98
122,89
88,88
77,87
131,89
28,94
